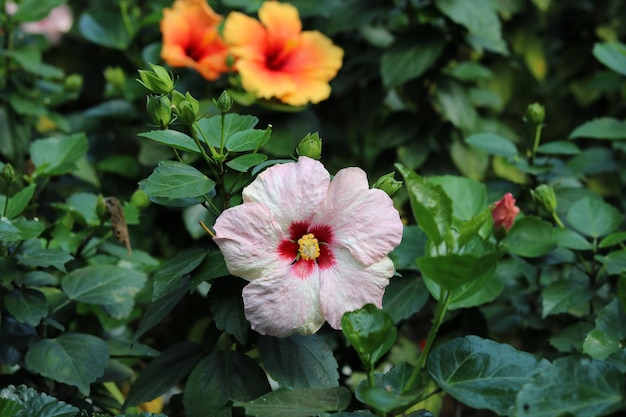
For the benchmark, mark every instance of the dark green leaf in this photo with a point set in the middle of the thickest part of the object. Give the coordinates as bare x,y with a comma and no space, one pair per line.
28,229
531,237
453,271
569,239
33,255
404,297
30,61
615,261
559,148
452,100
173,179
27,305
212,267
8,231
601,128
9,408
389,392
370,331
58,155
408,59
411,247
612,240
36,404
469,71
492,144
165,371
607,337
34,10
72,358
127,348
116,108
299,361
106,29
481,373
168,278
221,377
103,284
173,138
572,337
17,202
564,295
572,386
243,163
593,217
226,305
431,206
611,54
299,403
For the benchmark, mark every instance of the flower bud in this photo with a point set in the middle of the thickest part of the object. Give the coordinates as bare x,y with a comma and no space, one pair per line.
139,199
73,83
544,195
8,173
504,212
159,81
186,108
160,110
116,77
535,113
310,146
388,184
224,102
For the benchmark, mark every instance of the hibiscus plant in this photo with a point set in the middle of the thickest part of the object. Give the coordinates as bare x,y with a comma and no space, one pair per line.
336,208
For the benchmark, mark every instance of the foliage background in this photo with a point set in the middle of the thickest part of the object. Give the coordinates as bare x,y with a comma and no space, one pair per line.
420,80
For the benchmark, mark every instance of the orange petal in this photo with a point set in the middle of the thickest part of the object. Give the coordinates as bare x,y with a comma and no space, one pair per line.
265,83
245,36
282,22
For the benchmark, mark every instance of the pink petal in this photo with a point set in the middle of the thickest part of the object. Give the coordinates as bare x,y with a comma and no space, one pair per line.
348,286
249,237
283,304
363,220
292,192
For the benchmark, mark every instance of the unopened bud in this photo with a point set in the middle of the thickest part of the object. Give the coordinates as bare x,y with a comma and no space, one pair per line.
544,195
186,108
116,77
73,83
535,113
224,102
8,173
310,146
160,110
139,199
159,81
388,184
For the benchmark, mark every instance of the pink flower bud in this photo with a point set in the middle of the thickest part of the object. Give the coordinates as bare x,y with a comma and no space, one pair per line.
504,212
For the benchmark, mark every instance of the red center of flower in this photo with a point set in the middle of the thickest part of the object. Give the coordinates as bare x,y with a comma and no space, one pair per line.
308,246
278,55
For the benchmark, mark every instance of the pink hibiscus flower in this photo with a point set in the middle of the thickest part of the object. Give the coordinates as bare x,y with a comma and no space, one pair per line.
311,248
504,212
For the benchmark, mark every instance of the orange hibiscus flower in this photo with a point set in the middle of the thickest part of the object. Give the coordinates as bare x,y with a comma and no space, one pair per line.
191,38
275,58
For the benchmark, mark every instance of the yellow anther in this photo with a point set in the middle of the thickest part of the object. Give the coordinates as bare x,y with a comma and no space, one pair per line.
309,247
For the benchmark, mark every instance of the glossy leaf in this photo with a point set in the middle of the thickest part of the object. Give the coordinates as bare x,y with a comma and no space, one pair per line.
408,59
248,140
601,128
243,163
404,297
370,331
168,278
172,138
611,54
212,267
103,284
299,361
389,391
173,179
481,373
58,155
72,358
298,403
531,237
572,385
219,378
453,271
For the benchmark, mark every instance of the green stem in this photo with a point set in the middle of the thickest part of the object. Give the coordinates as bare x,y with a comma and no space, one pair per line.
6,202
536,141
222,133
442,308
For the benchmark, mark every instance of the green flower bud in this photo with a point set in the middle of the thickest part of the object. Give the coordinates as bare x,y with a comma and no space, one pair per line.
186,108
116,77
388,184
73,83
8,173
535,113
544,195
224,102
139,199
310,146
160,110
159,81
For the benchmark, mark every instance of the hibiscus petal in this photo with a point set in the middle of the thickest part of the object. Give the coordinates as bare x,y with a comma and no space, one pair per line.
281,20
265,83
363,220
349,286
249,237
283,304
292,192
245,36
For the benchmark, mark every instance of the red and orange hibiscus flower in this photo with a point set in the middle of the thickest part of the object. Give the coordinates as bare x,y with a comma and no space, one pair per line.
191,38
276,59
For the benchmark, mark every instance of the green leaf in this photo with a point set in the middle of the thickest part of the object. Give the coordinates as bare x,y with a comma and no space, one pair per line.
248,140
601,128
105,29
168,278
165,371
389,394
408,59
212,267
299,361
492,144
172,138
233,123
72,358
226,306
36,404
370,331
8,231
607,337
85,204
481,373
17,202
28,229
173,179
9,408
452,100
34,10
299,403
58,155
593,217
103,284
432,208
468,196
571,338
469,71
559,148
220,377
611,54
33,255
531,237
453,271
27,305
564,295
243,163
128,348
404,256
572,386
30,61
115,108
615,261
569,239
612,240
404,297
